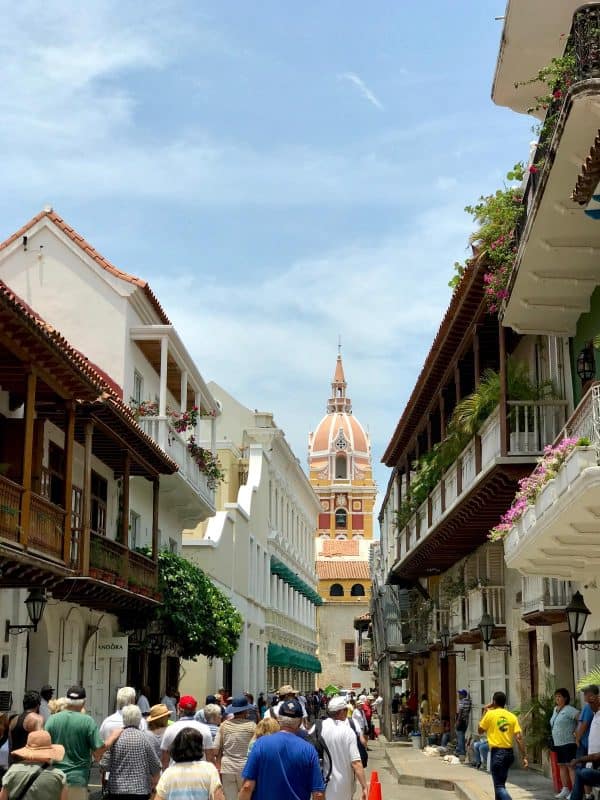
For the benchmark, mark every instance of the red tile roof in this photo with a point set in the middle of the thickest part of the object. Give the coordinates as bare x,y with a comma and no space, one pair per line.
90,251
340,547
328,570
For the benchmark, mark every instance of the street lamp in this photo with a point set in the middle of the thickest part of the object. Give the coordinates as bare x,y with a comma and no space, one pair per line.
577,614
445,642
586,363
36,603
486,627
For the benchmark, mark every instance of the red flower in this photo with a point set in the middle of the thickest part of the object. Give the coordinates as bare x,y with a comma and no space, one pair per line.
533,168
557,94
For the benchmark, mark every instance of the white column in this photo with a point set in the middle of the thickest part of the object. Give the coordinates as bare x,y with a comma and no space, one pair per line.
198,404
213,436
162,400
184,381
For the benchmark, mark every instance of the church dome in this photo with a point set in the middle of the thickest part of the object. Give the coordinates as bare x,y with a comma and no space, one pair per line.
339,431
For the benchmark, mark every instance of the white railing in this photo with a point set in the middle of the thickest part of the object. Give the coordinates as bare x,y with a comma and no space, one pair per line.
175,446
539,594
585,420
283,622
532,426
440,619
486,598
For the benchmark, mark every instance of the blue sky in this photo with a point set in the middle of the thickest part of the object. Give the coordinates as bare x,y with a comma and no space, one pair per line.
280,172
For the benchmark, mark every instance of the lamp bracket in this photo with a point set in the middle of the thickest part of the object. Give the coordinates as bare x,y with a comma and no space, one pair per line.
456,653
506,648
16,629
588,644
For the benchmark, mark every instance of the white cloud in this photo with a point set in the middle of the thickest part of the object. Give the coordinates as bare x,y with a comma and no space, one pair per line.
362,87
272,342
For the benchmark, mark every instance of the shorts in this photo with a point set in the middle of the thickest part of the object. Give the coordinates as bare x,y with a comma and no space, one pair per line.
565,753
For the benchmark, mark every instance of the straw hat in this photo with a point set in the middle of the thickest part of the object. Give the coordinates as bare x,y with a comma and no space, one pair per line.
39,747
158,712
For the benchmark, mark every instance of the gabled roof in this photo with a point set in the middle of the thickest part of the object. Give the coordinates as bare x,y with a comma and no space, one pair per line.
87,248
331,570
462,312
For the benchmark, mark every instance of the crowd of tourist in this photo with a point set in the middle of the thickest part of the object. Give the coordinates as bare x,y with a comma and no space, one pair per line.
284,745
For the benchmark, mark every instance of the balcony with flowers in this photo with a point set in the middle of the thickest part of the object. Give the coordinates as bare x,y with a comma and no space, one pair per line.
556,264
552,528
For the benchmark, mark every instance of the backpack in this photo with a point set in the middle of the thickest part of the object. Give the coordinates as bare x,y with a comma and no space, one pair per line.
320,746
364,756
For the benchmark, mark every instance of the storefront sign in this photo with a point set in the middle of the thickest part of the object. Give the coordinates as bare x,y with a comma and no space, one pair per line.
111,646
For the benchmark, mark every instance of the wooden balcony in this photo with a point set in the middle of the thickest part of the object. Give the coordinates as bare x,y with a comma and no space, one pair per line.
474,492
364,657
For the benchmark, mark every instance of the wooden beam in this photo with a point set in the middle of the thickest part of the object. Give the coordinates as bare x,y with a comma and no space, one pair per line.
124,532
86,505
122,444
476,356
30,386
68,490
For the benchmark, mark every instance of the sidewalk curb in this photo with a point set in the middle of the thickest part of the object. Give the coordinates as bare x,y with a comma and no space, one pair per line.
463,789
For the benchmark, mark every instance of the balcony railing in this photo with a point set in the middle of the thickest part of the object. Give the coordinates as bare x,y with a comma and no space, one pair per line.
584,43
47,527
159,429
364,657
114,562
585,420
459,616
440,619
486,598
10,509
542,595
532,426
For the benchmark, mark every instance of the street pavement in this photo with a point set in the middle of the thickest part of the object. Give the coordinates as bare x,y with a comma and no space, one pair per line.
412,768
390,788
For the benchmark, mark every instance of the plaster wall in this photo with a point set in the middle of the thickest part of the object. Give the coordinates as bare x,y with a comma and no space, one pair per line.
336,627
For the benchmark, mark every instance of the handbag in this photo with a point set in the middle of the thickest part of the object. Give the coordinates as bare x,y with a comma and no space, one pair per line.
362,750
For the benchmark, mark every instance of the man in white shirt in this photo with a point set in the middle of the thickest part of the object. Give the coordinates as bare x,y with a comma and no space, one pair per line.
125,697
170,700
187,711
585,776
143,702
358,717
346,765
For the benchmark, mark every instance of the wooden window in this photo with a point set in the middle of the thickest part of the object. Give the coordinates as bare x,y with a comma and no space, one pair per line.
98,499
56,475
358,590
348,651
336,590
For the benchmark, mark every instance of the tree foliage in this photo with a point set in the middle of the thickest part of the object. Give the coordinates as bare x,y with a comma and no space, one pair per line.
197,615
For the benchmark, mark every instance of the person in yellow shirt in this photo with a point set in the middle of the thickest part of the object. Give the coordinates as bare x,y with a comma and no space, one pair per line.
502,729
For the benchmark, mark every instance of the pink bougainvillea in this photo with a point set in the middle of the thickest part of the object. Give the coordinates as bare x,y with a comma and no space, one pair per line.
530,486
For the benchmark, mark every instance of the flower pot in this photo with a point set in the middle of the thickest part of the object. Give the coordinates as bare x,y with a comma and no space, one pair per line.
546,497
120,582
528,519
579,459
95,573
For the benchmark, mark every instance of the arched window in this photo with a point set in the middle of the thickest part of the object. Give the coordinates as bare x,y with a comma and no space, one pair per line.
336,590
358,590
341,466
341,519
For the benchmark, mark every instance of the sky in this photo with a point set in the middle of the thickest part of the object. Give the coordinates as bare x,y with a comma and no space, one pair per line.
282,174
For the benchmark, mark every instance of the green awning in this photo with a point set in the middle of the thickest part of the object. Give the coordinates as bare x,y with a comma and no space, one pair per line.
280,656
288,576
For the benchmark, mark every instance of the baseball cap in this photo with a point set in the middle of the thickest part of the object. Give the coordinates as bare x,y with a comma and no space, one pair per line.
463,692
47,688
76,693
287,689
291,708
336,704
188,703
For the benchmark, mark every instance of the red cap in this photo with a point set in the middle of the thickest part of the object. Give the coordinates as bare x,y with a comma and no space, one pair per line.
188,702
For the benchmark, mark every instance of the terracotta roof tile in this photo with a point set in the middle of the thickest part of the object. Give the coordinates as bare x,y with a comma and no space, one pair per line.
328,570
340,547
78,239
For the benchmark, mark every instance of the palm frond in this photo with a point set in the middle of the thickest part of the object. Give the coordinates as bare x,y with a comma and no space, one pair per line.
592,677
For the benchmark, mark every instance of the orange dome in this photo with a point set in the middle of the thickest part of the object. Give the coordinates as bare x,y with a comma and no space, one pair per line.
339,431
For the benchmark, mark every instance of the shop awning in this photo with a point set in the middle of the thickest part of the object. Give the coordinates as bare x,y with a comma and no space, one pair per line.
280,656
288,576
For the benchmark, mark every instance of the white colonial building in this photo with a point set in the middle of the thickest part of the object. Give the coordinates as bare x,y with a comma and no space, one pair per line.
259,549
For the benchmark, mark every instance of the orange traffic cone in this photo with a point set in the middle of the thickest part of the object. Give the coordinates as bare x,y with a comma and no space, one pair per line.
375,791
374,778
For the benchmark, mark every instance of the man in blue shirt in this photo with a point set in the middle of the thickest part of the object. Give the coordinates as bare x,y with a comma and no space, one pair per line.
282,765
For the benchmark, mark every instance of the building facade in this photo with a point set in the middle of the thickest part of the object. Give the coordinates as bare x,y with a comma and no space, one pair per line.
258,549
339,461
128,503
